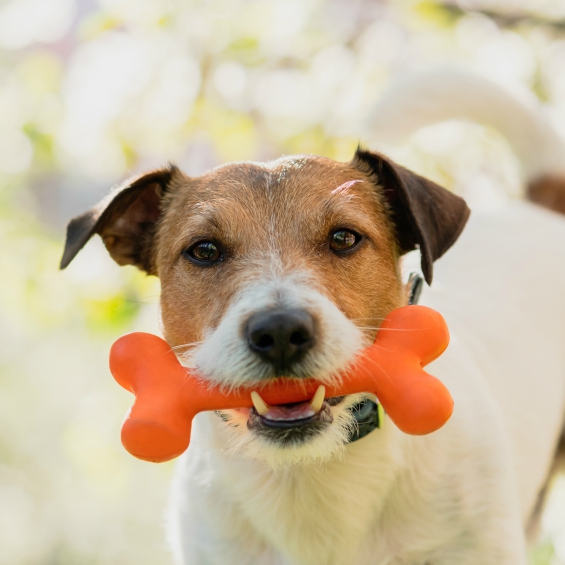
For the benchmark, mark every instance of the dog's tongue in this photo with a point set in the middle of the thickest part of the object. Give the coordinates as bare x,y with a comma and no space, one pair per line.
296,411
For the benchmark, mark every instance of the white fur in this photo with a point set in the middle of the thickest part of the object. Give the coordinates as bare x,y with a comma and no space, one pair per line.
459,496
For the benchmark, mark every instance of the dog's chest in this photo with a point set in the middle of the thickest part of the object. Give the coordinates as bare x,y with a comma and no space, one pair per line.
297,510
369,507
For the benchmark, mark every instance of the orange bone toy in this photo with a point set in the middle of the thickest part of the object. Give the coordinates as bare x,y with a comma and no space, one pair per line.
168,396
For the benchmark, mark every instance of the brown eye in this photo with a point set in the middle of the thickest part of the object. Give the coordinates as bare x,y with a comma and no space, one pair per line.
204,252
343,240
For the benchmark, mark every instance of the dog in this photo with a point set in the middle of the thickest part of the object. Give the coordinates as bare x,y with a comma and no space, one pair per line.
286,269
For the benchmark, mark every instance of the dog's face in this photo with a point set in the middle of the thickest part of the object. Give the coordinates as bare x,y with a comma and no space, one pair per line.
277,270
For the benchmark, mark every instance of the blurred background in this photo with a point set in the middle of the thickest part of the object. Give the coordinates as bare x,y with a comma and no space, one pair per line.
92,91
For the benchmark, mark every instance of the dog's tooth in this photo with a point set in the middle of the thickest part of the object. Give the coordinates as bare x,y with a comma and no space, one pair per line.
318,400
260,405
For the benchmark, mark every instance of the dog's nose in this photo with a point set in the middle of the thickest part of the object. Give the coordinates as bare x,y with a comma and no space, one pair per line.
280,337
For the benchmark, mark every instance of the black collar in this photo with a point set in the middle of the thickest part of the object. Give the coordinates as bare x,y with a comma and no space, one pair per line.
369,414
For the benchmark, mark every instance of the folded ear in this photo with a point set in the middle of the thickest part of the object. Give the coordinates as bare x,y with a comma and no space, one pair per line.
125,219
424,214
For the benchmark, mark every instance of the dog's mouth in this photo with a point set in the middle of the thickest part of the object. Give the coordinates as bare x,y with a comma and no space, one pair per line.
291,424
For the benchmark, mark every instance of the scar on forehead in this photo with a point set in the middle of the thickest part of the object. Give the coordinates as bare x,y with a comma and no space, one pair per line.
343,189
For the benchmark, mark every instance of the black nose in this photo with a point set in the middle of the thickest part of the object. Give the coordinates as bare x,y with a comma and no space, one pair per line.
280,337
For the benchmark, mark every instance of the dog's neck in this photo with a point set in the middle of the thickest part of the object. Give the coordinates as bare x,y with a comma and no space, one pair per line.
297,508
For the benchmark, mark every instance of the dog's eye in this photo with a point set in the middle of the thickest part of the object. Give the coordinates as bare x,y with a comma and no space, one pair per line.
204,252
342,240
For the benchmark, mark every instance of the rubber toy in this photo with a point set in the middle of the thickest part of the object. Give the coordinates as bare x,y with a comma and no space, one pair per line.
168,396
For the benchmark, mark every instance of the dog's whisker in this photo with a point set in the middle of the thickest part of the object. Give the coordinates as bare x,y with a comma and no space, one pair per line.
388,329
369,318
186,345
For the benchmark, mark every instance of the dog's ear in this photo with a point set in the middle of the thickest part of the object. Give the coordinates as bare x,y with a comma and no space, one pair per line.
125,219
425,215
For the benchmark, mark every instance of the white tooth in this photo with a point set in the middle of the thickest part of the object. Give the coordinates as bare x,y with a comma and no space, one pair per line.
318,399
260,405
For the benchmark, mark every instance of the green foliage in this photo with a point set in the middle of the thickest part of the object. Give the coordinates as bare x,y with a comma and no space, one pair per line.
438,13
543,554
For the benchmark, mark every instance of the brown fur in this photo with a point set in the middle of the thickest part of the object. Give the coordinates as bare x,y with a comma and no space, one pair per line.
548,191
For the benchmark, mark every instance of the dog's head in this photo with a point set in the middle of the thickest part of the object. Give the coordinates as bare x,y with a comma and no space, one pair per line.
281,269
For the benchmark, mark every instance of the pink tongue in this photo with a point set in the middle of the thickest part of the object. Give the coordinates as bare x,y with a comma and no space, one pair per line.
290,412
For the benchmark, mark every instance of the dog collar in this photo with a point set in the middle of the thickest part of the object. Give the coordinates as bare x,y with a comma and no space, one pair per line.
369,416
